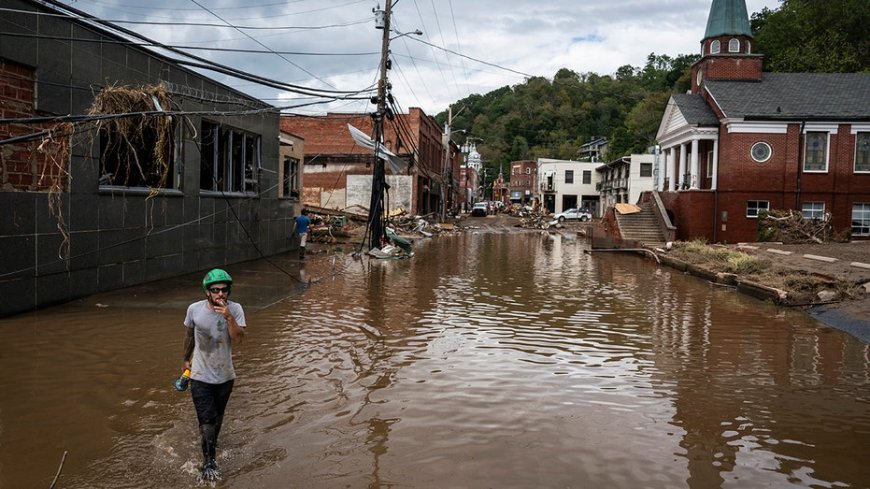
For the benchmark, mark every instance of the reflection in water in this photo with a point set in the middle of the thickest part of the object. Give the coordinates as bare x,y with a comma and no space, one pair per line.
486,360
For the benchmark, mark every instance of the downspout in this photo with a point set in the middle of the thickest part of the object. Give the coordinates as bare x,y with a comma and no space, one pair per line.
800,160
716,192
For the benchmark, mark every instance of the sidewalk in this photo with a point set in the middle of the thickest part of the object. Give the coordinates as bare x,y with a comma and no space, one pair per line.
843,261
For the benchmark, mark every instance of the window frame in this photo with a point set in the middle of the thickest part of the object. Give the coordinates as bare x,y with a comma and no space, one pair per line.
715,47
866,152
145,151
569,176
648,167
816,210
289,178
752,211
734,45
232,149
586,177
863,229
826,156
761,144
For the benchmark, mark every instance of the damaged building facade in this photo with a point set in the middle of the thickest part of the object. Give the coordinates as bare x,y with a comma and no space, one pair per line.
95,199
338,170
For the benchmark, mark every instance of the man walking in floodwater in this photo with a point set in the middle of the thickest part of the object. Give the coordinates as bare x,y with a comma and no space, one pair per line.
300,227
213,325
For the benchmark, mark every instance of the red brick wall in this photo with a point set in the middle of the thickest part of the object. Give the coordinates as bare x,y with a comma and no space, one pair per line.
691,212
21,164
776,181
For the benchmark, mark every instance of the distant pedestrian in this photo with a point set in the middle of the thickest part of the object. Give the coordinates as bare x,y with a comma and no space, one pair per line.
300,227
213,325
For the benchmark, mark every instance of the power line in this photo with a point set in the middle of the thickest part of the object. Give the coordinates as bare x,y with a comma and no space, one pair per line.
194,24
263,45
176,46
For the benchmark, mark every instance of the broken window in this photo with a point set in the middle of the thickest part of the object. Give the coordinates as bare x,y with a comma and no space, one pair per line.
230,159
131,160
290,177
137,151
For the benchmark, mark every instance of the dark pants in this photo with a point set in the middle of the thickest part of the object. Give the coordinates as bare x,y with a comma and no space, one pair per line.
210,401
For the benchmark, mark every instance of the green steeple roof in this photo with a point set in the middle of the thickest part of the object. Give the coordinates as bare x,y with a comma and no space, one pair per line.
728,17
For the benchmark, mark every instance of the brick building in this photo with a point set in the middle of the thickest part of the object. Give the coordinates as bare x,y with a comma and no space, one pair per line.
744,141
524,176
338,172
84,213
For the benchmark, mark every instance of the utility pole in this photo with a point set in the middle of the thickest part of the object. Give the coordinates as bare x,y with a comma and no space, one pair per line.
446,165
379,180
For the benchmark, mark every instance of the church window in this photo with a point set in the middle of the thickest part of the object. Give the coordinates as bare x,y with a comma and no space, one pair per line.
760,152
862,152
734,46
714,47
816,151
748,47
813,210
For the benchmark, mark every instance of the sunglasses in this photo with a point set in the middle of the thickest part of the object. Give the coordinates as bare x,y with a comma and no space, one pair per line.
218,290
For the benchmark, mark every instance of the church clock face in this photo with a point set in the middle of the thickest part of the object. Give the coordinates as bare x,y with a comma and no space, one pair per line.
761,152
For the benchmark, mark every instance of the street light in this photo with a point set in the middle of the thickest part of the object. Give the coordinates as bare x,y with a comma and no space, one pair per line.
417,32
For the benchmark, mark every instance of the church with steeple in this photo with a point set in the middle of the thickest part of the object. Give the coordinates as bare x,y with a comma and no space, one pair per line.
743,141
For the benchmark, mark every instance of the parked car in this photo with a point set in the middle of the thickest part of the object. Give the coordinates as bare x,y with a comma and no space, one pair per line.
577,214
479,209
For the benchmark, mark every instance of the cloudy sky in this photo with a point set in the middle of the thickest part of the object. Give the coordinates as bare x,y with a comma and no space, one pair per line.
466,47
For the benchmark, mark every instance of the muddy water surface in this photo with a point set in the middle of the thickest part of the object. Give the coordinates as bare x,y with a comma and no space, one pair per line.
488,360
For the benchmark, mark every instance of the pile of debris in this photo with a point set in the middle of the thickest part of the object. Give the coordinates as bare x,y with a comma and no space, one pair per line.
790,227
534,220
419,225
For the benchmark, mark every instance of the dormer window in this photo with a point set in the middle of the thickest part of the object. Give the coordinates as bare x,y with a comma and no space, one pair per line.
734,46
714,47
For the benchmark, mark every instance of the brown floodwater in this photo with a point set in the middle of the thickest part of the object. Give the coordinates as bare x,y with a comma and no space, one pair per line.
487,360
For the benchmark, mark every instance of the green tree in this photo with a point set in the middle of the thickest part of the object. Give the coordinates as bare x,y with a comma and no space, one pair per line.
814,36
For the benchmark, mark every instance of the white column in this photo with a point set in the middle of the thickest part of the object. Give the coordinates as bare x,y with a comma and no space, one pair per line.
715,164
665,170
696,165
681,178
672,158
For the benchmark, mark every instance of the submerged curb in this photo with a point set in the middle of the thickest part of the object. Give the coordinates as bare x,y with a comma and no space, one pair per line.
748,287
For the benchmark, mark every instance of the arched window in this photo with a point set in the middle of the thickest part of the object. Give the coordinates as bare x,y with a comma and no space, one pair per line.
734,46
748,47
714,47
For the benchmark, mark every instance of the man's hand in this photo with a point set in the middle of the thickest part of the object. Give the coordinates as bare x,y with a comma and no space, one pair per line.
221,308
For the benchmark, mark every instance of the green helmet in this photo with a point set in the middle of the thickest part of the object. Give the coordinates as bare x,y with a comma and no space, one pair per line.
216,276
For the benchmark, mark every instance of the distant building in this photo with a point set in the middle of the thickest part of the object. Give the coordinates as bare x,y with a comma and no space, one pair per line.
338,171
85,212
522,182
623,181
743,142
566,184
593,150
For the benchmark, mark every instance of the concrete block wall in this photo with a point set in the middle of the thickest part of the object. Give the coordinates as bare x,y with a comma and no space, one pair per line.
117,238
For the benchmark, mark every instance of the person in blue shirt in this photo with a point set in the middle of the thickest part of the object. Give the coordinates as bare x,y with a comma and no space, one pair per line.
300,227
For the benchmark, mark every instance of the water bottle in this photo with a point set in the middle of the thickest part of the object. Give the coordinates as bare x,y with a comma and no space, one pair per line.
183,381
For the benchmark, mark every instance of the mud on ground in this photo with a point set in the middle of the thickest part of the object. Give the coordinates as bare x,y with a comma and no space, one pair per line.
787,267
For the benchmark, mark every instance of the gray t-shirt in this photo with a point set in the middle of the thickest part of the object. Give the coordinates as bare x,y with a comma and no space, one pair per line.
213,354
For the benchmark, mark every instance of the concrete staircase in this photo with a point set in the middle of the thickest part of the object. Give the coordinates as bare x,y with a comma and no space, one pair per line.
641,227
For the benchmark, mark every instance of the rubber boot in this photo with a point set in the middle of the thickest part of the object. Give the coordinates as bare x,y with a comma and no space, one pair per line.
209,444
301,252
